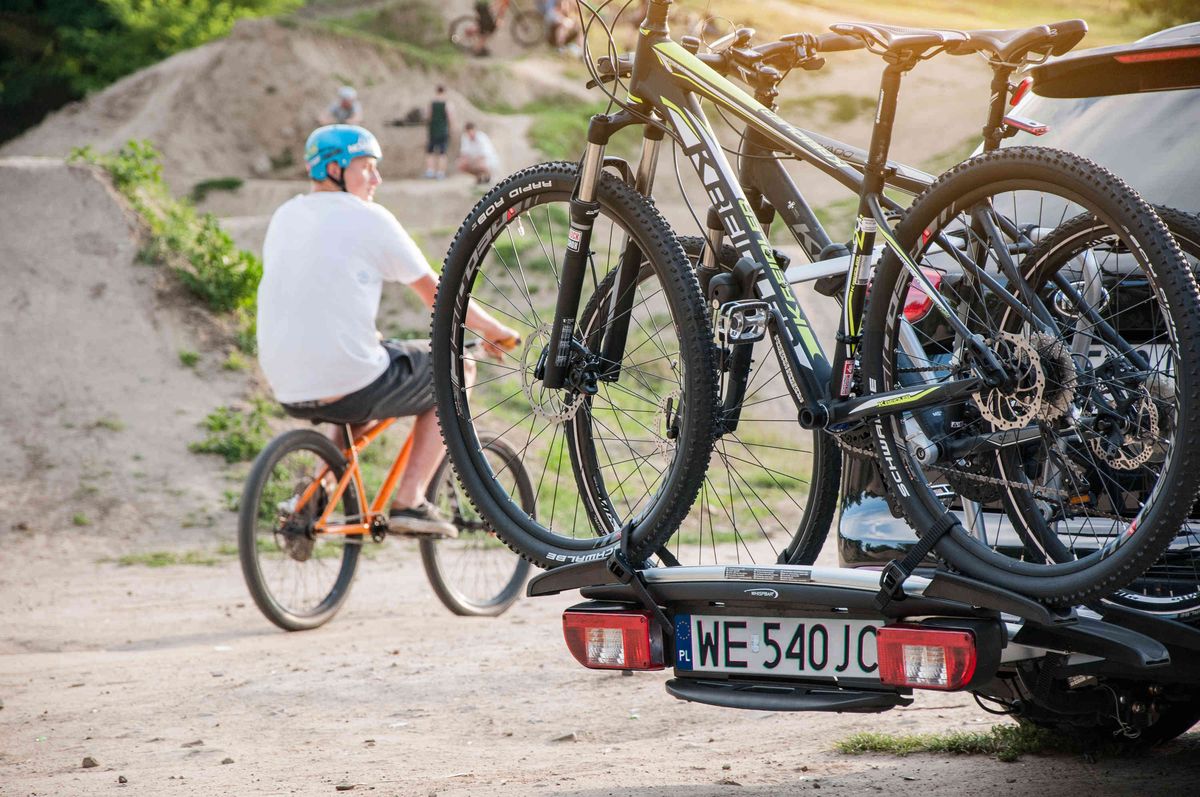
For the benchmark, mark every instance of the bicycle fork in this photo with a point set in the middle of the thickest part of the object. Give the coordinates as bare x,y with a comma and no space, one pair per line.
584,209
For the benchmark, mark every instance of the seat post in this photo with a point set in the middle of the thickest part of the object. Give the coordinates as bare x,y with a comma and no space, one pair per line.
885,116
993,131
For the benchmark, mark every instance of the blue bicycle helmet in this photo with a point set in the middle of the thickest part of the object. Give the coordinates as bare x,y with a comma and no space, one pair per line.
338,144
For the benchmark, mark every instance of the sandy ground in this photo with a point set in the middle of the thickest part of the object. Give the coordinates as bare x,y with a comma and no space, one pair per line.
162,675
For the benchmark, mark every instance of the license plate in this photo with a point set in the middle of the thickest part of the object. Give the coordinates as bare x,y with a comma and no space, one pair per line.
789,646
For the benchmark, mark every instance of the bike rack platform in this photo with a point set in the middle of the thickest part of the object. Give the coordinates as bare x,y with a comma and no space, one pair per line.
1123,642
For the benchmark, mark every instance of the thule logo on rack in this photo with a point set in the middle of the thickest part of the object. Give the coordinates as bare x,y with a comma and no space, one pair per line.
762,593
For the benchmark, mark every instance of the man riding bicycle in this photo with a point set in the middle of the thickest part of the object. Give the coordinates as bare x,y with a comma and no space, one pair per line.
325,258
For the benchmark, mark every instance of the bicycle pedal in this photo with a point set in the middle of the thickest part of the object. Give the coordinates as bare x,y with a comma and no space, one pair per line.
743,321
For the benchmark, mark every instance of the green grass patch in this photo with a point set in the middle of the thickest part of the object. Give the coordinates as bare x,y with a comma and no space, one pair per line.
415,28
110,423
559,125
235,434
80,519
1005,742
172,558
193,246
839,108
235,362
188,359
203,188
952,156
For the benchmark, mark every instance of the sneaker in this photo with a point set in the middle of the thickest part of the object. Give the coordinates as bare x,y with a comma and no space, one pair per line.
429,174
422,520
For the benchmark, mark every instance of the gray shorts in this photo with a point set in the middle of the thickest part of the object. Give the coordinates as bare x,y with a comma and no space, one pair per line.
405,388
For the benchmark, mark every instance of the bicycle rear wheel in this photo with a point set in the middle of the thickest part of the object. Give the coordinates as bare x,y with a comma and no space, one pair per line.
475,574
298,579
528,28
1070,481
770,489
1170,588
657,413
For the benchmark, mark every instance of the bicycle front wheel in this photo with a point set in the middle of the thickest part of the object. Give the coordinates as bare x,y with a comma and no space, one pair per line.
1072,478
464,33
770,490
474,574
656,413
298,579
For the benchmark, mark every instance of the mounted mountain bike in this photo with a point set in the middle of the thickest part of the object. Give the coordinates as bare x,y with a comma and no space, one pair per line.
635,362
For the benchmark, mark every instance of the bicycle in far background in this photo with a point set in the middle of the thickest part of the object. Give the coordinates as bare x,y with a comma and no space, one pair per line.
470,32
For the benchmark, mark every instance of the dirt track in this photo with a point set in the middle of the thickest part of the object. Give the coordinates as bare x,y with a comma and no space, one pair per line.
162,674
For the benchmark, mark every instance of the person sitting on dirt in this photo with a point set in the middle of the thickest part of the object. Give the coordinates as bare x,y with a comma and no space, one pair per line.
346,109
563,28
476,155
326,256
437,135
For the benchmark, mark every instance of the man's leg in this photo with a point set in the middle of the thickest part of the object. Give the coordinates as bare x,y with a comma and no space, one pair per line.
423,461
426,455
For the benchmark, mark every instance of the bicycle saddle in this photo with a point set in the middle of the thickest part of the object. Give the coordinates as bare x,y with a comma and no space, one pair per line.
1012,46
894,39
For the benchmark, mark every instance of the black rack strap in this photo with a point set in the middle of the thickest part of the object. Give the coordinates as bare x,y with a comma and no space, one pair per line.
891,580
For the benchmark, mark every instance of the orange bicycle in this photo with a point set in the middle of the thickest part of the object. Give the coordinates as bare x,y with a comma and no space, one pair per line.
470,31
301,530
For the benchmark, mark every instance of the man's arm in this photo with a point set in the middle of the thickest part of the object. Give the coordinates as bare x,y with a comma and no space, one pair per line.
478,321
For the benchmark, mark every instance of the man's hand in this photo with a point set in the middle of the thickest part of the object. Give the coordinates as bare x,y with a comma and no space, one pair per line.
500,341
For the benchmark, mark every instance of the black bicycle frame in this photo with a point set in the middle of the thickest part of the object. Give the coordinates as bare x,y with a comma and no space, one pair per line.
671,81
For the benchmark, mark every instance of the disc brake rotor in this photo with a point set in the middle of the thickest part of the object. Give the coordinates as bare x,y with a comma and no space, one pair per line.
1014,408
556,406
1138,442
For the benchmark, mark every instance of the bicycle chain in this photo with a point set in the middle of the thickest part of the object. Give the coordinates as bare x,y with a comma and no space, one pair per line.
1046,493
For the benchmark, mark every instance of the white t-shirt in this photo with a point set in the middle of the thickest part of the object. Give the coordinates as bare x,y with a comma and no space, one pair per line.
325,258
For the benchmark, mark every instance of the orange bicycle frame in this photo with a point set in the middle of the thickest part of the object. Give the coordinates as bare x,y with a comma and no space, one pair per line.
354,474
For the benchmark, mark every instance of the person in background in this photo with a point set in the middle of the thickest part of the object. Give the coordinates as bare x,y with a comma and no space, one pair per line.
325,258
476,155
564,28
487,26
438,135
346,109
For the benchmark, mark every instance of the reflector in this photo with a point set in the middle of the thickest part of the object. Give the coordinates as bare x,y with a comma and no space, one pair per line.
926,658
613,640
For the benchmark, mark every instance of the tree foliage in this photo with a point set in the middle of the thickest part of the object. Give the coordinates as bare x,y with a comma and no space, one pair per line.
56,51
1168,12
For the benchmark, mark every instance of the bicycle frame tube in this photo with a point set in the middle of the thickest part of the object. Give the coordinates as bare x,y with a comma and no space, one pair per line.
675,79
353,475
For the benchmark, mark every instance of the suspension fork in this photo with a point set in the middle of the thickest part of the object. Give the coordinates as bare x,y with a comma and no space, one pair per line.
629,266
584,209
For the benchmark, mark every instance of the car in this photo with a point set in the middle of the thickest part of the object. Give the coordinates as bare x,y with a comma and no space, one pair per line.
1133,108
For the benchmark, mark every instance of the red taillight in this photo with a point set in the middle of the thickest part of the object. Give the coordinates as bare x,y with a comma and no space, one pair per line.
917,302
920,657
1161,55
1021,90
614,640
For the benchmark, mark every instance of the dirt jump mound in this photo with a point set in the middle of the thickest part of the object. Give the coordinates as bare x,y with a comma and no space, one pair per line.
97,407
